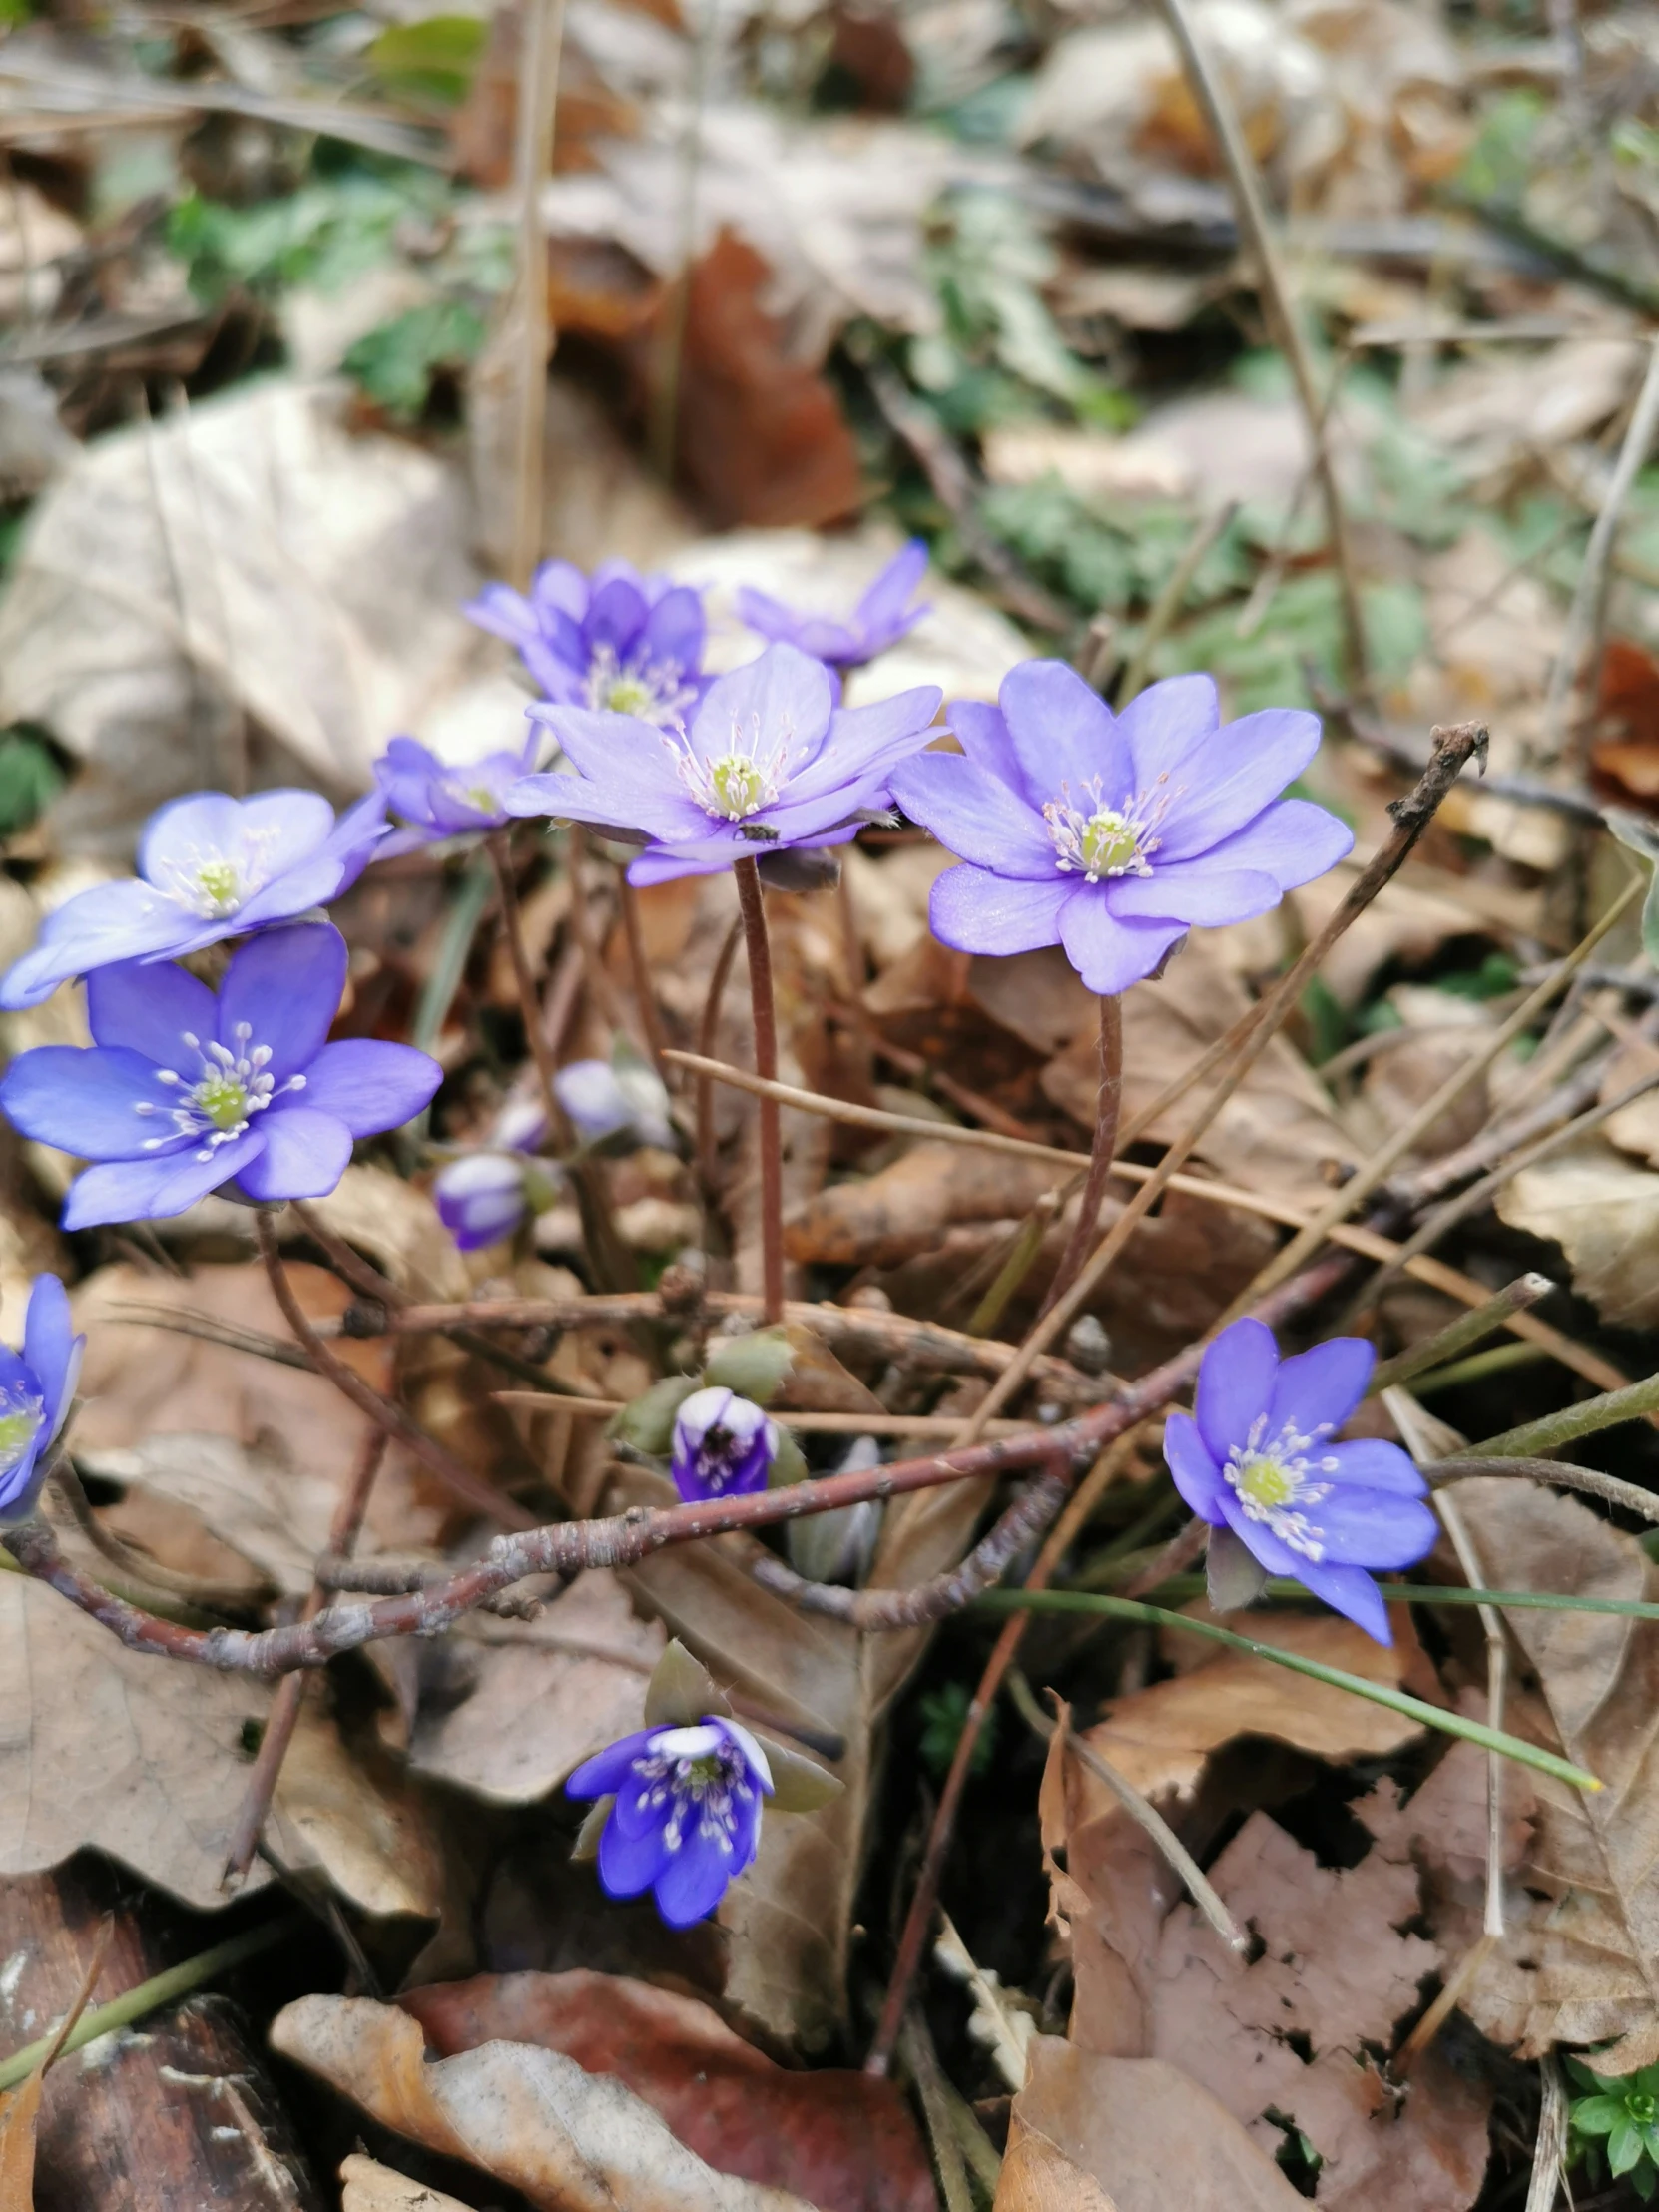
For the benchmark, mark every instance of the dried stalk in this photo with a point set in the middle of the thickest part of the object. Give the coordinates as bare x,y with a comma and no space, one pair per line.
645,997
1108,1102
751,906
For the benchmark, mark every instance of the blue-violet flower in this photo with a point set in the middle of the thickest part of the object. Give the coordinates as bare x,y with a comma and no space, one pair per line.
687,1815
1258,1460
607,1100
37,1390
483,1196
209,868
769,764
617,639
723,1446
884,615
1112,833
181,1092
430,798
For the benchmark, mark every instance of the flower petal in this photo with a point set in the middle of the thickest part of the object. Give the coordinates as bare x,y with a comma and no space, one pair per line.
781,698
284,827
637,808
1164,723
369,1085
609,1769
886,601
86,1100
1064,734
611,748
203,826
693,1881
1351,1591
1292,840
975,815
1317,1389
110,922
21,1486
675,629
156,1189
51,1349
628,1863
1107,953
1235,1385
1196,1475
149,1009
977,911
983,736
1244,767
1375,1529
305,1154
616,615
1192,891
1375,1465
862,739
285,986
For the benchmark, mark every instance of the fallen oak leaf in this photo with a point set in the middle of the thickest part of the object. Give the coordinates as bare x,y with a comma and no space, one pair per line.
846,2142
371,2187
569,2141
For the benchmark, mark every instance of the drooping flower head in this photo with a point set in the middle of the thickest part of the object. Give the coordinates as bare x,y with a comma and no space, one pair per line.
483,1196
769,764
1113,834
615,641
37,1390
209,868
884,615
620,1101
722,1446
1258,1460
181,1092
687,1815
430,798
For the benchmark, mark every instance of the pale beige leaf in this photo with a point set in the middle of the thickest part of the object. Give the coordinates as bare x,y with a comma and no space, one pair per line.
273,1516
399,1226
371,2187
510,1707
354,1815
1597,1952
1095,2134
530,2117
1603,1211
102,1748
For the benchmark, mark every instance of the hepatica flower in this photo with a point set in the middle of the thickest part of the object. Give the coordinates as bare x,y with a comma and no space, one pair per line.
687,1815
483,1196
769,764
617,1101
1113,834
37,1390
1257,1458
433,798
181,1092
209,868
617,639
722,1446
884,615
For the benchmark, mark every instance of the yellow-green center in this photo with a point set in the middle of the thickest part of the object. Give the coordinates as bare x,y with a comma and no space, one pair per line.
737,786
220,1099
1264,1480
1108,844
219,885
628,695
16,1433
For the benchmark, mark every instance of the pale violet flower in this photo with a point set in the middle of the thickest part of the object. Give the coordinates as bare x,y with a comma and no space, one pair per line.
687,1816
886,613
615,641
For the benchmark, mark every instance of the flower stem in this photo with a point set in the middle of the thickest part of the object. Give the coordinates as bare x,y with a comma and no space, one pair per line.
1378,1693
1536,1437
1108,1103
707,1032
633,930
512,923
752,908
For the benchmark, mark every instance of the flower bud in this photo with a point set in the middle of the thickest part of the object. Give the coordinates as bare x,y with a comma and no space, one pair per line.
722,1446
481,1199
607,1101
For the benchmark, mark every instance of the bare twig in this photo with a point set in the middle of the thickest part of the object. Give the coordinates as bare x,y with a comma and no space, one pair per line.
1482,1459
538,98
1461,1335
1549,2153
706,1033
1108,1101
1166,608
645,997
752,905
1278,306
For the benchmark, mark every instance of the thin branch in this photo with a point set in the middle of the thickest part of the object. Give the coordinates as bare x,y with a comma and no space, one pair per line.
1108,1102
645,997
1631,1496
751,907
1461,1335
1162,615
706,1033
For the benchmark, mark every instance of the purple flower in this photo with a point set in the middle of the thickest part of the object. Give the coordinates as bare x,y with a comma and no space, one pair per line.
36,1392
209,867
882,617
433,798
723,1446
181,1092
769,764
617,639
484,1195
1256,1459
1112,833
621,1098
687,1815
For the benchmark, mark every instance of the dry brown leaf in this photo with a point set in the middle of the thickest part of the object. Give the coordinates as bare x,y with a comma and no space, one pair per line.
843,2140
399,1226
1634,1128
1596,1952
371,2187
250,1504
900,1212
1095,2134
252,558
569,2141
103,1748
1604,1213
1276,1133
353,1814
18,2117
508,1708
